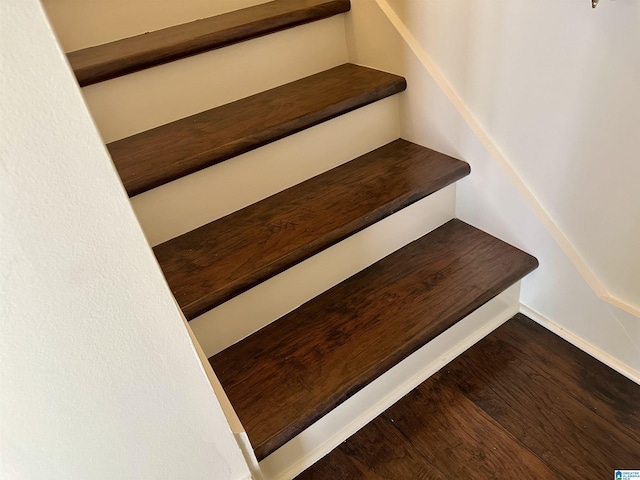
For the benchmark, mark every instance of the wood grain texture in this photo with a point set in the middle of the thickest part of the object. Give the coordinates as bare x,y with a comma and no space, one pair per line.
284,377
378,451
462,440
171,151
213,263
603,390
103,62
458,438
517,393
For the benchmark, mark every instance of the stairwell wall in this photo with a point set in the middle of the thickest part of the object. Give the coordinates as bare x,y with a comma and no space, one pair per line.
81,23
98,376
540,100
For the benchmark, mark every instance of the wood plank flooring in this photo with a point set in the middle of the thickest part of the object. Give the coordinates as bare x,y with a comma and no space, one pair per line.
522,403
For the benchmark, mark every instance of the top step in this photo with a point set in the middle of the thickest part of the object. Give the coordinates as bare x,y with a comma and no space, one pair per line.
103,62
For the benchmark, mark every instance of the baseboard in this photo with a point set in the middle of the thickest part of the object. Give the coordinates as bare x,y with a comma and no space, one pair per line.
341,423
622,368
249,456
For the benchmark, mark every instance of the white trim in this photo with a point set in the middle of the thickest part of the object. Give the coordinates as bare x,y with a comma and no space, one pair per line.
249,455
347,418
622,305
595,352
552,227
231,416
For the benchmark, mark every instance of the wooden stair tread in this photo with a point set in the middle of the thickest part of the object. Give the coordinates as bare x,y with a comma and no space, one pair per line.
286,376
217,261
103,62
171,151
505,408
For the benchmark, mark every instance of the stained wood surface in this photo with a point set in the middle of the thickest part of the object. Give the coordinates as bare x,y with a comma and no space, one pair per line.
379,451
286,376
213,263
540,414
171,151
103,62
442,422
589,381
519,404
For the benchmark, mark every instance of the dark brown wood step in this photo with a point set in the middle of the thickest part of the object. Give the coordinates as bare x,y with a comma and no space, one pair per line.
103,62
519,404
292,372
213,263
165,153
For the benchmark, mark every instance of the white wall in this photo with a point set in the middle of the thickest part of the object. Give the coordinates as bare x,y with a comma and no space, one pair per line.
555,84
86,23
505,91
98,377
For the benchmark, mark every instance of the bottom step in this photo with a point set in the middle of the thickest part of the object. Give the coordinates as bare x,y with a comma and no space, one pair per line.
286,376
522,403
316,441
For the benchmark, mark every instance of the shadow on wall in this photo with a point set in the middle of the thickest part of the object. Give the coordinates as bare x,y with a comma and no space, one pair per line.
554,84
519,71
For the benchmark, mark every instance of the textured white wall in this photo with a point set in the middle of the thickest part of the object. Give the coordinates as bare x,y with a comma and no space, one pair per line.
555,84
520,112
85,23
98,377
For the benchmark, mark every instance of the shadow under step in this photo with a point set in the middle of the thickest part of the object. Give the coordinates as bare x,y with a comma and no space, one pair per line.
209,265
121,57
292,372
155,157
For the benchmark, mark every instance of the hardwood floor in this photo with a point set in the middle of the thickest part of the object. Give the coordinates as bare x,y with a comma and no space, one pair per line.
522,403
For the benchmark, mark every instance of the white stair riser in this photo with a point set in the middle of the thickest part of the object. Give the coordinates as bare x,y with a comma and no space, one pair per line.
349,417
184,204
133,103
86,23
252,310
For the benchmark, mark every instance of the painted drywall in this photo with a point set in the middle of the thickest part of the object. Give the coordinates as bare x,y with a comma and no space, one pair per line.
555,84
98,377
86,23
489,198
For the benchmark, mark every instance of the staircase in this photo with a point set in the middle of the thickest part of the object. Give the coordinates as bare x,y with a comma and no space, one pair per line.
313,251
